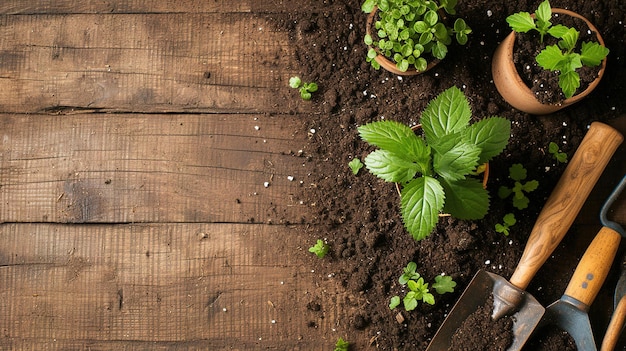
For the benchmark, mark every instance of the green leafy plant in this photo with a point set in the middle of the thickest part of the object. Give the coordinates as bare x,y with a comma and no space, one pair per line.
434,169
305,89
341,345
561,57
355,165
558,155
419,289
320,249
409,273
518,174
507,222
408,29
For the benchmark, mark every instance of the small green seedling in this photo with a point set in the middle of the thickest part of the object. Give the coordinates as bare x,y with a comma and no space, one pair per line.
355,165
560,156
305,88
518,173
409,273
341,345
418,291
507,222
522,22
418,288
561,57
320,248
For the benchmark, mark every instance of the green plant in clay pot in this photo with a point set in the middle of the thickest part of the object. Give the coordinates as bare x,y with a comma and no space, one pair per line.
566,56
408,37
437,169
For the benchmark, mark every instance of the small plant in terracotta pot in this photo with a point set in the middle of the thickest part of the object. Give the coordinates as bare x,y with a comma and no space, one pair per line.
408,37
558,50
436,169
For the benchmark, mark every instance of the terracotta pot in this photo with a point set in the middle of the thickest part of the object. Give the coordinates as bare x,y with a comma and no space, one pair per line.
388,64
513,89
485,173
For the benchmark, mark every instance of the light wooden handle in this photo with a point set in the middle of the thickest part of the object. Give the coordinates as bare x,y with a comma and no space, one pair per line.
614,330
594,266
567,198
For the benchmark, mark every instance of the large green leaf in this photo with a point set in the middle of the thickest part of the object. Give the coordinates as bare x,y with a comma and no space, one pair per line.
398,139
491,135
551,58
521,22
448,113
569,82
592,54
422,199
466,198
389,167
458,161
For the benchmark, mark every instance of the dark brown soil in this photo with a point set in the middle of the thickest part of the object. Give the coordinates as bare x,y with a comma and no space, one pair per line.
479,332
551,339
359,215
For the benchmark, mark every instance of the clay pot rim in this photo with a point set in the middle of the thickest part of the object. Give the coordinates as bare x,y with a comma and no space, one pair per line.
536,107
388,64
485,173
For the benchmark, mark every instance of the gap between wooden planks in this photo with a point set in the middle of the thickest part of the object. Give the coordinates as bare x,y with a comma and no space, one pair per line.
123,168
29,7
216,63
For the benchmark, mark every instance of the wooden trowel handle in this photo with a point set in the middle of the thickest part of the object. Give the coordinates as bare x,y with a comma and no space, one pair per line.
566,200
594,266
614,330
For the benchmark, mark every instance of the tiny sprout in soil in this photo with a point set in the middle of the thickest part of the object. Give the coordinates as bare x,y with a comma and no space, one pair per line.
560,57
341,345
418,288
305,88
435,169
355,165
507,222
558,155
517,173
320,248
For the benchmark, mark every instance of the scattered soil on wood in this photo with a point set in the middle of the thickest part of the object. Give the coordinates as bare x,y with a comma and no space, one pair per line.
359,215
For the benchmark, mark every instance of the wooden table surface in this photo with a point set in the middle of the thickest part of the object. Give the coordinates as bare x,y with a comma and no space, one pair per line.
137,141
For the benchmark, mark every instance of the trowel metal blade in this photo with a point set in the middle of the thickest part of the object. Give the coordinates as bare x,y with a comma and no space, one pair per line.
568,315
528,312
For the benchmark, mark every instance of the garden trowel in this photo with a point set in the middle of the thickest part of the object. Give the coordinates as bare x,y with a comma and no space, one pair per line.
557,215
569,313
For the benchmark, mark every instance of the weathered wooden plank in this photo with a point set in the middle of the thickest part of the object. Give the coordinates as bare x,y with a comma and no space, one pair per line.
118,168
151,62
139,287
148,6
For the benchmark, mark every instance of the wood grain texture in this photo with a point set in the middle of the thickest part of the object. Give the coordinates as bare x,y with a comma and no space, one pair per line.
174,286
29,7
120,168
145,63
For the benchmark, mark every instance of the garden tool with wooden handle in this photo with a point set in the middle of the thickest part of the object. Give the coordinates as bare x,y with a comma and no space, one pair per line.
557,215
570,311
614,330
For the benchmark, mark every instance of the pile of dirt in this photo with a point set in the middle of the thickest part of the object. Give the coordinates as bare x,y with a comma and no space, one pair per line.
359,215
